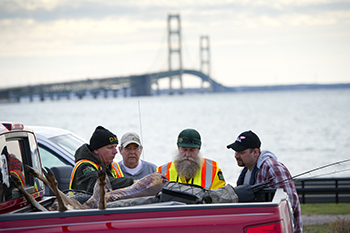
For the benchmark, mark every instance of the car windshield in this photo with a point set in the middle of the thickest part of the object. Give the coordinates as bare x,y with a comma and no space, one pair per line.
68,142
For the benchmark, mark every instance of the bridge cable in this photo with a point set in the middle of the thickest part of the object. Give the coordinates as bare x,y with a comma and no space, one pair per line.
157,58
189,55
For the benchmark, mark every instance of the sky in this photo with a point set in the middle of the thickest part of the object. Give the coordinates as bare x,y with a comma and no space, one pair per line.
251,42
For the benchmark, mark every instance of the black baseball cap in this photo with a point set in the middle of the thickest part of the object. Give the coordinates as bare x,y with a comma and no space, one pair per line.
247,139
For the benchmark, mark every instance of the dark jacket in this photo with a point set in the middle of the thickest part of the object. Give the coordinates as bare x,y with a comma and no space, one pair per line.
86,174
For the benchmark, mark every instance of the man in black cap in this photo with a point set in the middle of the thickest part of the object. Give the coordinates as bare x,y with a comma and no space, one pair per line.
88,158
189,166
262,165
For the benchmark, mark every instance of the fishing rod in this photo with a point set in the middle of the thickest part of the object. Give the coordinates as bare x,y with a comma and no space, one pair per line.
247,192
310,171
143,151
334,172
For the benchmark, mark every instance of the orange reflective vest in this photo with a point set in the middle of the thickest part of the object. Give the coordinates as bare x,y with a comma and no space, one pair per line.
204,178
116,171
19,175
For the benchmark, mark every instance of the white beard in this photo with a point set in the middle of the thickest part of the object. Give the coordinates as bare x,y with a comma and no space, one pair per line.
187,166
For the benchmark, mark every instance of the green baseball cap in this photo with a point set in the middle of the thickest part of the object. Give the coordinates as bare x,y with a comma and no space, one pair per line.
189,138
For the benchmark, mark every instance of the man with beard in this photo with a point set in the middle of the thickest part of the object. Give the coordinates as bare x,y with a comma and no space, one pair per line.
189,167
262,165
130,148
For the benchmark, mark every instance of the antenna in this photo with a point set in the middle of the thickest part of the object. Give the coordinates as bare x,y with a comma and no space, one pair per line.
143,153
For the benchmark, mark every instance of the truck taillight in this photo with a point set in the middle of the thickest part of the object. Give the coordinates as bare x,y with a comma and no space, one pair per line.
268,228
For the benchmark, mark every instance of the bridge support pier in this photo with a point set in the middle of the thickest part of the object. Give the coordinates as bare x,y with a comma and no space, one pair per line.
80,94
125,92
141,86
105,93
205,61
95,93
62,94
174,35
5,95
157,89
115,93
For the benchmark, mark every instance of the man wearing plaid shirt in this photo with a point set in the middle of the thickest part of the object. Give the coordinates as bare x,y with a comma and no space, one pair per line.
262,165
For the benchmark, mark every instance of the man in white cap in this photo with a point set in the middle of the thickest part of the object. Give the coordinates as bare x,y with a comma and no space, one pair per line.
131,149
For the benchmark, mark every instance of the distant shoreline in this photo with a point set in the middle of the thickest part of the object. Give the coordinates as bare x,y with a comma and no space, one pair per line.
289,87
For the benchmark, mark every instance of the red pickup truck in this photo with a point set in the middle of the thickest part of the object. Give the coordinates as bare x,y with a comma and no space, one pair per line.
269,212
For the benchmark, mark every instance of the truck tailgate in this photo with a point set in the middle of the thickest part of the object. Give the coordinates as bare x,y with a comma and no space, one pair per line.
174,218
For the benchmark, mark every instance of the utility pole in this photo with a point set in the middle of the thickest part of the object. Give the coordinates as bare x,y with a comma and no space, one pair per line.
174,45
205,61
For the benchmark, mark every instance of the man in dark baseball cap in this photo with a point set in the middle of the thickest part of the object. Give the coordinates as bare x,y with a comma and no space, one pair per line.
189,138
262,165
247,139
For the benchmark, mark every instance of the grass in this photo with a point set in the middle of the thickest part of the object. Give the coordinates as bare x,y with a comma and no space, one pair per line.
326,208
325,228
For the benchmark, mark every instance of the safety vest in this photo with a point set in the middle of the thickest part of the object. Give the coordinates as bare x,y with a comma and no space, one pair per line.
203,178
19,175
116,171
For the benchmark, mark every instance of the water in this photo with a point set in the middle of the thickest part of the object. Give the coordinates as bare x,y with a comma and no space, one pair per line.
305,129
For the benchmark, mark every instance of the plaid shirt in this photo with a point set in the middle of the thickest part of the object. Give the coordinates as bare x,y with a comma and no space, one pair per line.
271,168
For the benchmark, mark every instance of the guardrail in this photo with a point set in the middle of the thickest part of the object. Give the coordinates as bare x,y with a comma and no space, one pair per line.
323,190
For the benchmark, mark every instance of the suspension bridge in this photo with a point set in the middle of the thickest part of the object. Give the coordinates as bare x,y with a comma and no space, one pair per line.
133,85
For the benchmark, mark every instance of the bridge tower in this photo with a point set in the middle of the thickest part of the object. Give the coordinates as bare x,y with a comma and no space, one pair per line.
174,45
205,61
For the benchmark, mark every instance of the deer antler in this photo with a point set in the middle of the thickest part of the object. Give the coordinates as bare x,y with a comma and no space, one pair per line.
51,182
102,183
17,183
54,187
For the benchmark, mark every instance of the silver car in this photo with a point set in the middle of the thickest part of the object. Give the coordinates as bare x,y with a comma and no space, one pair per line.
56,146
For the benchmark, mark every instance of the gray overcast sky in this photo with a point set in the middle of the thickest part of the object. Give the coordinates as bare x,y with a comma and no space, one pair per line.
252,42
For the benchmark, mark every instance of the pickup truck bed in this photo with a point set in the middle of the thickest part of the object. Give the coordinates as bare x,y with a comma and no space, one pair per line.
168,216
